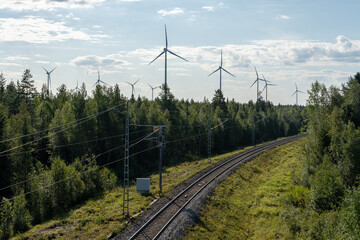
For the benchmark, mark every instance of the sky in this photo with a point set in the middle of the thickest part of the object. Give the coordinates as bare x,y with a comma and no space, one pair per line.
293,41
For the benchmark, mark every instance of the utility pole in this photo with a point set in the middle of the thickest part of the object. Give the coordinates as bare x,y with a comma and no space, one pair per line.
162,146
253,129
209,136
126,165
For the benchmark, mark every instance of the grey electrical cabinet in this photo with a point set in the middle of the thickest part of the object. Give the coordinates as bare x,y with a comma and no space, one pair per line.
143,185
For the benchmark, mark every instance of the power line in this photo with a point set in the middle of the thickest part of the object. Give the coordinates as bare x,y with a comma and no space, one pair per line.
100,154
70,144
58,126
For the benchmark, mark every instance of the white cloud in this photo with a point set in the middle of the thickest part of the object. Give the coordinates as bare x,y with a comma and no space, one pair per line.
38,30
109,61
174,11
282,17
17,58
209,8
36,5
267,52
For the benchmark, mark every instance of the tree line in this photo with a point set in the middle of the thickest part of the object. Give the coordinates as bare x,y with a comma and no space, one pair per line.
58,150
325,204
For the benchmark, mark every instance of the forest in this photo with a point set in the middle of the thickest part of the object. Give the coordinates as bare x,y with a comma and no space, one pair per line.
325,202
58,150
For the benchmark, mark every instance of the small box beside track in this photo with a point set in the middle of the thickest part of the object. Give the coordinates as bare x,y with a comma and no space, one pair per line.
143,185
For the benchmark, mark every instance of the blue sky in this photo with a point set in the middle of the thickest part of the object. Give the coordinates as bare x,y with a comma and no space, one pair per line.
288,41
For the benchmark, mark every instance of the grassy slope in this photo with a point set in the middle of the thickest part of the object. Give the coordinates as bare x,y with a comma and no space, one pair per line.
248,204
98,218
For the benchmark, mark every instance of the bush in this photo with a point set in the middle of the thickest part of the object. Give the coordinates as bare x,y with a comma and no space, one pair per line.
326,187
21,214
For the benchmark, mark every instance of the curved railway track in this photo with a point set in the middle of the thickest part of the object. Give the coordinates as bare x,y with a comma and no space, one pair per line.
158,223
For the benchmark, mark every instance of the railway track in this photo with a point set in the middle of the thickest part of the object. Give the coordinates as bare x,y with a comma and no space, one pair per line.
157,224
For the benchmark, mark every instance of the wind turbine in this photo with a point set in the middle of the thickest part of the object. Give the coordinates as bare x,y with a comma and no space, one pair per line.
48,78
257,81
166,50
297,91
99,80
152,91
77,85
220,68
133,87
266,85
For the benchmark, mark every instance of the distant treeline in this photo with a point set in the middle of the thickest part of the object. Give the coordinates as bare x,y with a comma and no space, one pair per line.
326,200
59,150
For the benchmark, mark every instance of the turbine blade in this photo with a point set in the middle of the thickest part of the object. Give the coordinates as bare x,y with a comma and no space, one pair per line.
94,84
301,91
177,55
150,86
264,78
166,41
45,70
264,88
136,81
257,75
296,86
129,83
52,70
221,59
213,72
271,84
293,93
253,83
228,72
156,87
156,57
105,83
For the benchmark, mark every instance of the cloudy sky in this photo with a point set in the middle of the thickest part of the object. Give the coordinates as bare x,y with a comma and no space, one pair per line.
295,41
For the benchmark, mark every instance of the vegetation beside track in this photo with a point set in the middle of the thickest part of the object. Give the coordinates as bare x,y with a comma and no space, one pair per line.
102,216
249,204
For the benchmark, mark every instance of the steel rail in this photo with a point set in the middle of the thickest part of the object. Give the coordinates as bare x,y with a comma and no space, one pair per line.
251,154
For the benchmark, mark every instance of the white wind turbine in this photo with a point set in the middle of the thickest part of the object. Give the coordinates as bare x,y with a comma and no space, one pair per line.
166,50
296,92
257,81
221,68
152,91
99,80
48,79
133,87
266,86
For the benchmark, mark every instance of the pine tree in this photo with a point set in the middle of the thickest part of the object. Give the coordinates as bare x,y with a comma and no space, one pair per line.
27,87
2,87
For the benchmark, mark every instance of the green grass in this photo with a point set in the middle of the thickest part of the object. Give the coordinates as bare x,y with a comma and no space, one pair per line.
247,205
102,216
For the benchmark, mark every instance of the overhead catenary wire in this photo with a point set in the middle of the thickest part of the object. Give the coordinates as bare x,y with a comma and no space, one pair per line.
52,134
70,144
136,141
58,126
79,173
104,165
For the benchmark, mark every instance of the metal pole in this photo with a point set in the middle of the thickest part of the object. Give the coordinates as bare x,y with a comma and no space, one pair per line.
165,72
253,129
209,137
162,146
126,165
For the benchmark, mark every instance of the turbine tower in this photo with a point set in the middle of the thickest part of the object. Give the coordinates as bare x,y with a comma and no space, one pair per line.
220,68
99,80
266,86
166,50
48,79
133,87
257,81
152,91
297,91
